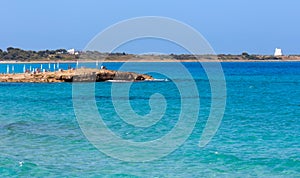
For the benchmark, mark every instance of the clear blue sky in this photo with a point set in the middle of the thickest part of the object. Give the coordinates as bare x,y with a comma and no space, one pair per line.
231,26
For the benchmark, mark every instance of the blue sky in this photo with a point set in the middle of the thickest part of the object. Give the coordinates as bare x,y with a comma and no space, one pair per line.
230,26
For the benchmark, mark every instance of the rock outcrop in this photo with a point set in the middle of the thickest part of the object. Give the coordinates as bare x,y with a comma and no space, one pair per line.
75,75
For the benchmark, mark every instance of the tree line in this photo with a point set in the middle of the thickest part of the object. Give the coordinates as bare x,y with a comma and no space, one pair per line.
18,54
23,55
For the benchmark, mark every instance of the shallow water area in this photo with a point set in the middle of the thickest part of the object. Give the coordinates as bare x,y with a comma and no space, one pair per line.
258,136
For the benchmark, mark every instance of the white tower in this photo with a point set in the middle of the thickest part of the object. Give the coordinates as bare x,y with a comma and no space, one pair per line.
278,52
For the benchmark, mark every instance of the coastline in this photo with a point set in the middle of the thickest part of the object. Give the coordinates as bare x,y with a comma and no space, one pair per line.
143,60
73,75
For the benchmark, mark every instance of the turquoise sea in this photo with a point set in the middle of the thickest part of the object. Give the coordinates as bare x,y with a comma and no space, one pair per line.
259,135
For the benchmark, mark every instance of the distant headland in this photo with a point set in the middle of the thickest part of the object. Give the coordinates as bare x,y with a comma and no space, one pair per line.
12,55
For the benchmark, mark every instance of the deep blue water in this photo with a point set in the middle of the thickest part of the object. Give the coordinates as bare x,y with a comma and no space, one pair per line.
259,134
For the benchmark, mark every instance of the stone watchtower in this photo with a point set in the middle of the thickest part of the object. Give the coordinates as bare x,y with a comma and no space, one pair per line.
278,52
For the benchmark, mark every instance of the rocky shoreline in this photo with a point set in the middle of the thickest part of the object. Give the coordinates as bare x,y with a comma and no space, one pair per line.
74,75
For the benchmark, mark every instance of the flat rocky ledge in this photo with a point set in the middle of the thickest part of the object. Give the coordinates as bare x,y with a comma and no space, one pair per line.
74,75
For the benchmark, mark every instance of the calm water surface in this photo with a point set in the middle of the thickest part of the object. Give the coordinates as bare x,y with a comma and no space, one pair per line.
259,134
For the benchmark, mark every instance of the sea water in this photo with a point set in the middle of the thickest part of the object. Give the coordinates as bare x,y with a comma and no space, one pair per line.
259,135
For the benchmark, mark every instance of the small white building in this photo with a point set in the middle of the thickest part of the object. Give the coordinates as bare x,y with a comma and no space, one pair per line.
71,51
278,52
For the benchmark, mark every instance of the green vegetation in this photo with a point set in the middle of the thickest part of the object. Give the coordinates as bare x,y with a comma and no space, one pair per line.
17,54
246,56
